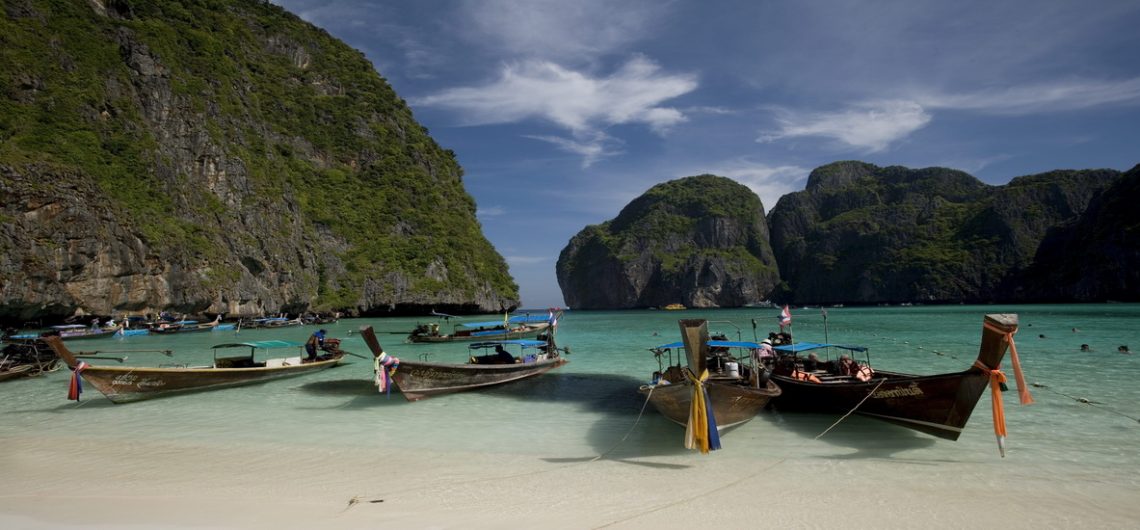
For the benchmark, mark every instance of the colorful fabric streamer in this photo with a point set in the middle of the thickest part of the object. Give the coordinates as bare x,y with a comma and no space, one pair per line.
701,430
385,368
75,388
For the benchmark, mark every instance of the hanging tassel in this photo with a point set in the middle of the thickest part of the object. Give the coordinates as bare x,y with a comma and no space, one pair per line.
385,367
700,431
997,378
75,388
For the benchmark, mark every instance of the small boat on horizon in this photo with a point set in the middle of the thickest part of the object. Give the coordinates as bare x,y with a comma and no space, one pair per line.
123,384
420,379
512,327
674,307
714,390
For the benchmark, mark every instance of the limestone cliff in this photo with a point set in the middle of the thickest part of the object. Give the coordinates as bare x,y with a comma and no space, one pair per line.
1094,258
860,233
700,241
219,156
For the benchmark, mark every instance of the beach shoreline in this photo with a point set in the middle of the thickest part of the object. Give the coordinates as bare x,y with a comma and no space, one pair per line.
73,483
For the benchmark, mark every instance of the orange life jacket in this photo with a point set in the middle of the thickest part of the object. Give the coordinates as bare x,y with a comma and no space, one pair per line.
804,376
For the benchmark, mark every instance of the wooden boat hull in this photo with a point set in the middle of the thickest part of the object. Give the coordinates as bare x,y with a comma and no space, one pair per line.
125,384
530,332
122,384
732,404
939,405
417,380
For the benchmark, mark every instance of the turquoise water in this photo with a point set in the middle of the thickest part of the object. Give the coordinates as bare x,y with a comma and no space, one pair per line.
591,406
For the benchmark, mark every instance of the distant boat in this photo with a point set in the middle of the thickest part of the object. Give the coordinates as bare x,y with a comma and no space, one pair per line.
188,326
123,384
937,404
514,327
420,379
270,322
75,332
735,389
674,307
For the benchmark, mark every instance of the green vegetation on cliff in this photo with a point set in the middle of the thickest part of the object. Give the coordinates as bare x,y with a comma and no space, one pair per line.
681,241
864,234
219,130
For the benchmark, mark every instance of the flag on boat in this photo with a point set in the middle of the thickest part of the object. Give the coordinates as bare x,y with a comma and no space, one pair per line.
785,317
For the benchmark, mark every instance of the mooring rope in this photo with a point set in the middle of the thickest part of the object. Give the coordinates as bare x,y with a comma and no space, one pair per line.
1085,401
748,477
357,498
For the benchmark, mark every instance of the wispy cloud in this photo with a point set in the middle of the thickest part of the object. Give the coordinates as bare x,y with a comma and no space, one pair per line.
558,30
576,101
489,211
591,146
1038,98
869,126
767,181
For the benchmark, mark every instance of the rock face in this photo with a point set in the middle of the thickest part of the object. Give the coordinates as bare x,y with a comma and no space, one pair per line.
219,157
1093,259
700,241
859,233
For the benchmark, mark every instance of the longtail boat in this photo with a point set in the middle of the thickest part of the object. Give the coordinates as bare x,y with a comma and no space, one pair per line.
937,404
713,390
419,379
515,327
132,383
188,326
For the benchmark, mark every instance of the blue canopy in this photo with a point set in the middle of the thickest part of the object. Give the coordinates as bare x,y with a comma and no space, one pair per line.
525,343
487,324
790,348
715,344
805,346
530,319
264,344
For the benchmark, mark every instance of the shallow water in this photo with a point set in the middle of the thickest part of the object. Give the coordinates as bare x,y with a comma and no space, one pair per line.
591,406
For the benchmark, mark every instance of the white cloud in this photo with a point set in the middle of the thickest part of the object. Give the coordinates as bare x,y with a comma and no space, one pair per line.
767,181
573,100
591,147
870,126
1038,98
489,211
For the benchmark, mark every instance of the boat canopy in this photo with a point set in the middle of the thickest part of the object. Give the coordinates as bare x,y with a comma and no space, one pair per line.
525,343
789,348
69,326
487,324
530,319
260,344
714,344
805,346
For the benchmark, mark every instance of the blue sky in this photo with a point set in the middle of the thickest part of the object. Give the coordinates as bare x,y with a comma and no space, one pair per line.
562,111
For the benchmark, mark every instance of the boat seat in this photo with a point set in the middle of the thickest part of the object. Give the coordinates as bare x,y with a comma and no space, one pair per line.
277,363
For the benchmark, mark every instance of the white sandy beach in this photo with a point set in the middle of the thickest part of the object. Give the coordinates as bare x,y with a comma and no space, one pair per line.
74,483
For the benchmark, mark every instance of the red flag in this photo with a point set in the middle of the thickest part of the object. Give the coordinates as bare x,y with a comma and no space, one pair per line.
785,317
